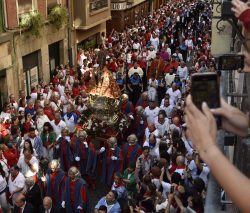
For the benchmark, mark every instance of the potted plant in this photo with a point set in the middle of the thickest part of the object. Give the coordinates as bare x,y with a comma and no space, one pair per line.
33,22
58,16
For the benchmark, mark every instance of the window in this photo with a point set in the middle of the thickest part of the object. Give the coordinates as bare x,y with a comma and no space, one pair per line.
51,4
25,6
95,5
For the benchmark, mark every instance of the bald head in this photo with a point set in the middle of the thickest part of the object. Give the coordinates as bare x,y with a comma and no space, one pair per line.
20,200
47,203
180,160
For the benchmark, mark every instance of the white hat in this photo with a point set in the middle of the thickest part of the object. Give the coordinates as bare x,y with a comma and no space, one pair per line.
21,109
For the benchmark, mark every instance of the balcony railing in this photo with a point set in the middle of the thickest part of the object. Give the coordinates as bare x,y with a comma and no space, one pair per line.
95,5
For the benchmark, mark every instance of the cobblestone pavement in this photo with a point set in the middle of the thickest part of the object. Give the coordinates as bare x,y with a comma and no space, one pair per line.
95,195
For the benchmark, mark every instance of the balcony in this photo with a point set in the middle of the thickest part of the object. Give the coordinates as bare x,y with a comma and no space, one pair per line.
96,5
89,13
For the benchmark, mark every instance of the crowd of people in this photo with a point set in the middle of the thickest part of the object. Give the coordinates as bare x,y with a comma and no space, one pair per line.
48,163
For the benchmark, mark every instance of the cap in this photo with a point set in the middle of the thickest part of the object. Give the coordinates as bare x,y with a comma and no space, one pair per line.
21,109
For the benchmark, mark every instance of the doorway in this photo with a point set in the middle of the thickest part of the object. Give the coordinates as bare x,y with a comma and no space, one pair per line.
30,71
3,88
54,57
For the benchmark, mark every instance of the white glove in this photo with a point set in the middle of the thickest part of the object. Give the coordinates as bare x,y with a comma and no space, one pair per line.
86,144
77,158
57,146
63,204
102,149
114,158
79,207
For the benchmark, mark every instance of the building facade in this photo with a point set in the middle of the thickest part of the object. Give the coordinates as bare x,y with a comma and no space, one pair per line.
89,21
24,58
126,13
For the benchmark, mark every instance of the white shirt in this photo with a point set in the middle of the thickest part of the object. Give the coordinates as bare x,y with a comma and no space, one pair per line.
5,166
33,96
167,109
188,145
47,211
189,43
169,79
70,122
182,72
154,152
151,114
3,183
41,120
136,46
55,106
26,170
166,186
5,116
151,55
204,174
19,182
147,133
58,128
173,95
47,95
154,85
193,169
162,127
61,89
155,42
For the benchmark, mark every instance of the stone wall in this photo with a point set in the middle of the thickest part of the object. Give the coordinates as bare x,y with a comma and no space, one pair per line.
26,44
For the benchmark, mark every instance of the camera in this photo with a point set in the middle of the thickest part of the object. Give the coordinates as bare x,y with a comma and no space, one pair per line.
172,189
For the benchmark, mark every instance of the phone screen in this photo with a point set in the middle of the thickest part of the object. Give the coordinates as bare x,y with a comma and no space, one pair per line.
205,88
231,62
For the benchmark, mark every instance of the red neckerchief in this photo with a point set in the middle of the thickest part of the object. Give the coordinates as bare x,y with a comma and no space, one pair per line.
14,177
57,121
119,184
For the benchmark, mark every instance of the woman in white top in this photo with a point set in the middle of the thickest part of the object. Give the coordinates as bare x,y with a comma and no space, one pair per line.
27,145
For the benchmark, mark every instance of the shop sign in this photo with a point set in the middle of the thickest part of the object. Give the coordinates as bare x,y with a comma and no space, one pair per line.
119,6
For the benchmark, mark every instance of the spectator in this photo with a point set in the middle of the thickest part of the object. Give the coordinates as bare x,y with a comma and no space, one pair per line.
48,206
16,183
21,205
110,201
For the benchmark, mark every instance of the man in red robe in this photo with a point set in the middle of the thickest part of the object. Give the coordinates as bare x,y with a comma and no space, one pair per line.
131,150
75,199
54,185
126,106
84,153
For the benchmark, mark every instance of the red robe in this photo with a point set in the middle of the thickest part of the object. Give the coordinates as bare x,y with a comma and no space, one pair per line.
127,108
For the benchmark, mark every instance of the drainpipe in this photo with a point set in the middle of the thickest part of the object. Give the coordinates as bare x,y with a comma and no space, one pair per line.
69,6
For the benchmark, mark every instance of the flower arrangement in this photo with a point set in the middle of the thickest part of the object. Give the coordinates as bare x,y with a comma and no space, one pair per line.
58,16
33,22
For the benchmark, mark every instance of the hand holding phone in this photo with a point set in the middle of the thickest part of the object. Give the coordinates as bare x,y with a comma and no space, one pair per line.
205,88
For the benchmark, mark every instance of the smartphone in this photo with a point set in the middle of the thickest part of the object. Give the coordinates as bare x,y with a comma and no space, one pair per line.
231,62
205,88
172,189
226,8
